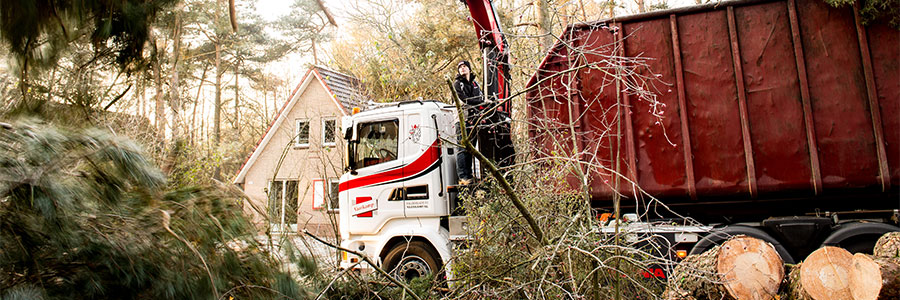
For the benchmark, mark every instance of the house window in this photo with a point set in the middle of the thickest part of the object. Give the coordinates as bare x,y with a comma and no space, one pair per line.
319,194
283,200
301,133
328,130
333,188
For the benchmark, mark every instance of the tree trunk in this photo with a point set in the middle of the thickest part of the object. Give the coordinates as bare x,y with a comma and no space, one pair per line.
888,245
232,14
237,95
174,81
197,102
741,268
542,9
139,94
873,278
160,113
217,114
825,274
315,56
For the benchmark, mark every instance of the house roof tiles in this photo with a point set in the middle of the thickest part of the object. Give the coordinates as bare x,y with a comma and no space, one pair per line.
348,90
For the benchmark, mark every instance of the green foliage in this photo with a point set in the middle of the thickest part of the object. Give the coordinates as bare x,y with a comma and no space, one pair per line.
874,10
36,30
84,215
23,292
304,23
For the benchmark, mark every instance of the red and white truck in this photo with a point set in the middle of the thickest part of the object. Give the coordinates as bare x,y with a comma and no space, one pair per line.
785,117
394,201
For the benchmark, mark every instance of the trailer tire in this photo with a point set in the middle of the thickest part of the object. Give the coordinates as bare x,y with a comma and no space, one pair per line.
721,235
409,260
858,237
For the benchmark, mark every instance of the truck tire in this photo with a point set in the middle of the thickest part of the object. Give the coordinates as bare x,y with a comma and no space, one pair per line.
409,260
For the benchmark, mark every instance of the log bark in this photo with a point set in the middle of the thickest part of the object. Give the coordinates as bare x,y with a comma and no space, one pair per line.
888,245
741,268
825,274
873,278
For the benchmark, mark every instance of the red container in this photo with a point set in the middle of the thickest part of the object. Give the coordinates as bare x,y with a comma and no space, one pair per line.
758,100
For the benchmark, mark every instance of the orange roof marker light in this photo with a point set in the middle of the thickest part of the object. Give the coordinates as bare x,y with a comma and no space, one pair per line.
355,110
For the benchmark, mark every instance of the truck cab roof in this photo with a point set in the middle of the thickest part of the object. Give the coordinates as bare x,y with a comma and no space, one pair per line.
404,106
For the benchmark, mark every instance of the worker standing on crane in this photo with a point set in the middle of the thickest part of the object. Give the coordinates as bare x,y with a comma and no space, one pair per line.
468,91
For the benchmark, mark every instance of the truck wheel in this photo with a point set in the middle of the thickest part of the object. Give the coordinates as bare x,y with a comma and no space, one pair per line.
410,260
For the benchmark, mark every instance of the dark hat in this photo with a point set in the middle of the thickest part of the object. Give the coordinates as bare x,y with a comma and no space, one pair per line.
463,62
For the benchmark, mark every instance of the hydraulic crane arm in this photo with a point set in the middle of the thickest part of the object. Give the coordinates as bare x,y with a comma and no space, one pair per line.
494,50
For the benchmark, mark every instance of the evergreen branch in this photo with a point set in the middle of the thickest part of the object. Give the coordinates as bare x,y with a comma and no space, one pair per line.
165,223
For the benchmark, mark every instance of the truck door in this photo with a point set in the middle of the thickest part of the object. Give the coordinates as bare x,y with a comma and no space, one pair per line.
416,186
376,172
423,193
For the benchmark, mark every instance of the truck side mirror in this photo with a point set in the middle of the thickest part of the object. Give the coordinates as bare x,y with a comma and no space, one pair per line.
347,127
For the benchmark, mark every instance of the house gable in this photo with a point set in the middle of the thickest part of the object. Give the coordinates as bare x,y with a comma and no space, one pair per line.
311,98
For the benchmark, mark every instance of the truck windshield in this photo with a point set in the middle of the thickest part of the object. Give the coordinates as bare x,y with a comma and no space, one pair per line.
378,143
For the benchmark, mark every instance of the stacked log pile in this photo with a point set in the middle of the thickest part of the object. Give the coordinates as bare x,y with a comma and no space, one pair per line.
748,268
834,273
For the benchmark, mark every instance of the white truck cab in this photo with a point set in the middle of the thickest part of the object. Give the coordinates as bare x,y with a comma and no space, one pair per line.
394,198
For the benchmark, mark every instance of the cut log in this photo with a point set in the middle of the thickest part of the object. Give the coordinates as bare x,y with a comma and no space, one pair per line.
741,268
751,268
825,274
888,245
873,278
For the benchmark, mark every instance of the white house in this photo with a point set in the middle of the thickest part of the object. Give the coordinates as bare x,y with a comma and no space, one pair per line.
293,171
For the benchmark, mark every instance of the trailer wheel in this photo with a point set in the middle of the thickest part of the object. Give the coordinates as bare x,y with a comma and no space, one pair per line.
407,261
858,237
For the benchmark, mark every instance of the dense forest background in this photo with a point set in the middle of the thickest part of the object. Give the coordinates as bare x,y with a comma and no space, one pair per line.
210,76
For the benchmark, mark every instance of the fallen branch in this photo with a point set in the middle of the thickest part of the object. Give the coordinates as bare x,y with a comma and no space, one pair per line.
539,234
369,261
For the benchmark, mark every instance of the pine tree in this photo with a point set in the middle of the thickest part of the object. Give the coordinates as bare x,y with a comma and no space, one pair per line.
84,215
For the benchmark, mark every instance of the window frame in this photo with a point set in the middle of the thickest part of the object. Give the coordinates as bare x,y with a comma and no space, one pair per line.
333,207
324,203
280,217
333,141
296,136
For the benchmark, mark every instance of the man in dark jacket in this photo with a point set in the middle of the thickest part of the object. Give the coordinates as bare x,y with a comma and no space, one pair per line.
469,93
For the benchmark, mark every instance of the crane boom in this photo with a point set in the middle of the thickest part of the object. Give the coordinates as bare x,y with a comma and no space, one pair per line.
494,50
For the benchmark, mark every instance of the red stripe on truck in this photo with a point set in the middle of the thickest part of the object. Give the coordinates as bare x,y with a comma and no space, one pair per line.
431,155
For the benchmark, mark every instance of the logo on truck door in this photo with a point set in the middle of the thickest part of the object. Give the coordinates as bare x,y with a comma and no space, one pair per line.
415,133
364,207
